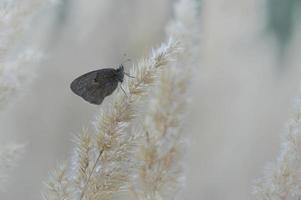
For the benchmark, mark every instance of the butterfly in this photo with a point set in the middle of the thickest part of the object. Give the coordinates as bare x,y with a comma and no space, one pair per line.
94,86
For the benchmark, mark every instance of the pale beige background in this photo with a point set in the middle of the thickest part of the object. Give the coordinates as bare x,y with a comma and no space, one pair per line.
241,96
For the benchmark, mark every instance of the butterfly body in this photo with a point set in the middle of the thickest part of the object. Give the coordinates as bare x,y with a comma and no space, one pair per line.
94,86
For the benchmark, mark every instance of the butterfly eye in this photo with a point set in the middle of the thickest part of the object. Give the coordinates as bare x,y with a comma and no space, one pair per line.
120,68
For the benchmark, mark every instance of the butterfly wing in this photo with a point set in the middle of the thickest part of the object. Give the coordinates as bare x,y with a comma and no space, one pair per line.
96,85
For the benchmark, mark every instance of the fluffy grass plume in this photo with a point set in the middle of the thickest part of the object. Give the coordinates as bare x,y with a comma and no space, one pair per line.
15,70
9,155
160,173
160,170
281,180
58,185
15,17
103,162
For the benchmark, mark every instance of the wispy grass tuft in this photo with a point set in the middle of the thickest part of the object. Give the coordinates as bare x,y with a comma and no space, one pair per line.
15,63
160,173
9,155
281,179
58,185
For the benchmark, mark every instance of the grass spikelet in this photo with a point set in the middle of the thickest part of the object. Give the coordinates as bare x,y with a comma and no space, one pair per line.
57,187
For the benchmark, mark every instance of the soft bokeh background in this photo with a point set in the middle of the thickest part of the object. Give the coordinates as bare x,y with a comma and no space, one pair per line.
241,96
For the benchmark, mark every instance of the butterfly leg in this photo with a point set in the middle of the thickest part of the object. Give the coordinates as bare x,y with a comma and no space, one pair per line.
128,75
123,90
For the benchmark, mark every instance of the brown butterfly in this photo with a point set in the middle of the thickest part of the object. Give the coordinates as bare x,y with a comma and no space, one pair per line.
94,86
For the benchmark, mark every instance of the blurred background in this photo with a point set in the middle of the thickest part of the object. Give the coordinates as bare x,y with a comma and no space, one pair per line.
241,95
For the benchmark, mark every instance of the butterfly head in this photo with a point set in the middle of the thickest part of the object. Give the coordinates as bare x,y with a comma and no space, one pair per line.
120,73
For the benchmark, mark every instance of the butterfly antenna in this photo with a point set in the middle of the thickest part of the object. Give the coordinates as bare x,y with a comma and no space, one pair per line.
127,60
123,90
